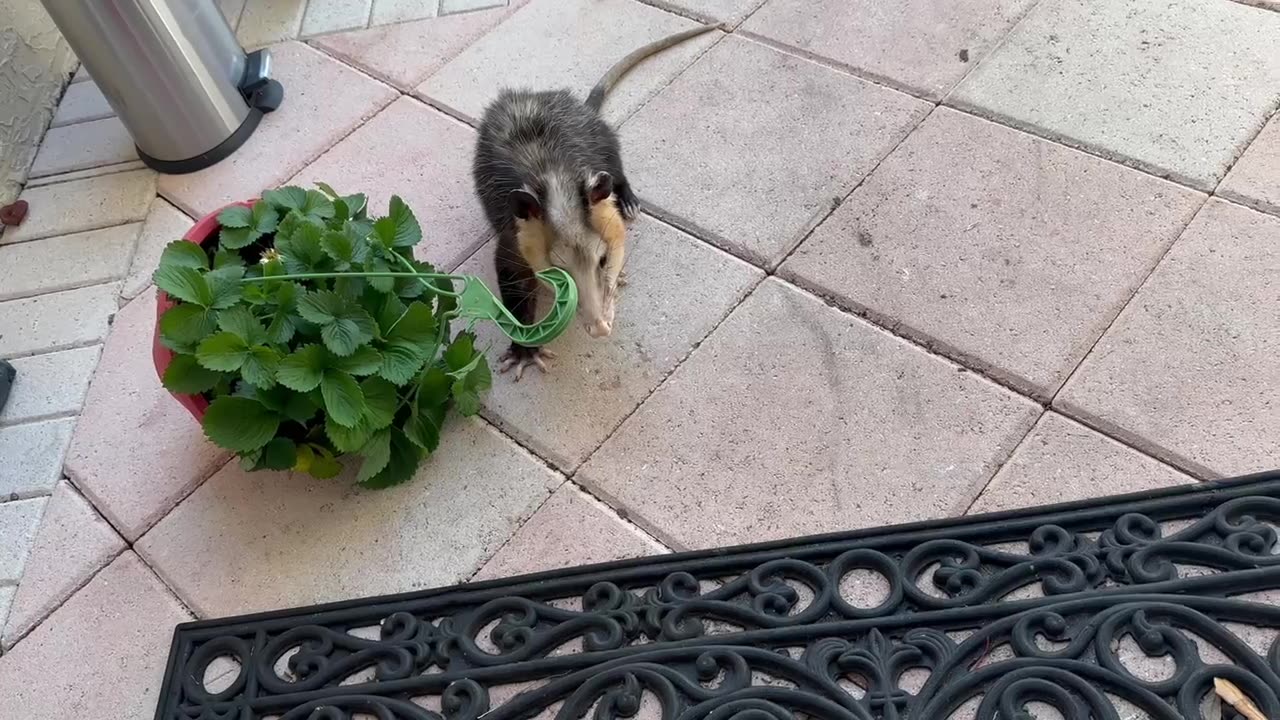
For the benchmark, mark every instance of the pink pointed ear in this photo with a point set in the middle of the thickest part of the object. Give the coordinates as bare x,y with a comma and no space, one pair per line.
599,188
525,205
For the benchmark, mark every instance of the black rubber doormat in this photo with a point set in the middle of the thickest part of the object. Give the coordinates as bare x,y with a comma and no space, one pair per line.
1122,607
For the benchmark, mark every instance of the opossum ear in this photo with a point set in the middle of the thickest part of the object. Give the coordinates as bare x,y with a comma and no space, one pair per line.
525,205
599,187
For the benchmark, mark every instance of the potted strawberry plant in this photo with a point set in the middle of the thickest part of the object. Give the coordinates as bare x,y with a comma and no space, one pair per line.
303,335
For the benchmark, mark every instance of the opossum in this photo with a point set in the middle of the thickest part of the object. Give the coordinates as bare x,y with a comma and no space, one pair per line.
548,171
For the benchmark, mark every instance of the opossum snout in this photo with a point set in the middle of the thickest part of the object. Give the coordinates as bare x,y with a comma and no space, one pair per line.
599,328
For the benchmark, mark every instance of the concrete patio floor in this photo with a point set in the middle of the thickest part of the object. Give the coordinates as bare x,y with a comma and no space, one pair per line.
899,261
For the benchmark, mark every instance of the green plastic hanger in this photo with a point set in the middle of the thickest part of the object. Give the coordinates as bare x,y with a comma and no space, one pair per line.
477,302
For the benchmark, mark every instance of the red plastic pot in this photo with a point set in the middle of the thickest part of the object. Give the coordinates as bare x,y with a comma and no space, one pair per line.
203,231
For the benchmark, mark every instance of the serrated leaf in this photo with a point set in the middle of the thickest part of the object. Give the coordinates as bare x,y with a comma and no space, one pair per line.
260,367
376,454
316,206
184,283
381,284
265,217
407,232
182,327
182,253
239,424
224,351
401,465
327,189
401,361
302,250
381,402
227,258
282,328
239,321
460,352
343,400
249,460
185,376
339,248
364,361
299,408
470,384
347,439
225,289
344,325
237,216
286,198
237,238
303,369
356,204
416,325
279,454
434,388
389,310
425,425
467,401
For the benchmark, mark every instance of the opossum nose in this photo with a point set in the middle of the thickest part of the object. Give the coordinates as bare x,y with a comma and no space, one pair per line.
599,329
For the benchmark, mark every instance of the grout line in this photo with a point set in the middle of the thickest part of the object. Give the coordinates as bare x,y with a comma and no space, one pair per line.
867,76
649,97
77,345
42,417
968,507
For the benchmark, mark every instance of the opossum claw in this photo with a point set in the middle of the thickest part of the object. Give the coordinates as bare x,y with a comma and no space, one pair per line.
521,358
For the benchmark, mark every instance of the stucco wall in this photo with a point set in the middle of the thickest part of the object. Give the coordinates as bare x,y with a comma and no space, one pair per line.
35,63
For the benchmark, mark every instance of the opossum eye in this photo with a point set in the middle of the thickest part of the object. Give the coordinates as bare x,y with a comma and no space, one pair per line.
525,205
604,261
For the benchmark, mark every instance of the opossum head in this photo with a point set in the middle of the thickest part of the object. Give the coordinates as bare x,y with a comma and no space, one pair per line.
573,223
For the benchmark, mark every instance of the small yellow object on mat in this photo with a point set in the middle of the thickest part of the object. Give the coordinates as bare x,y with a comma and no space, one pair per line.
1236,698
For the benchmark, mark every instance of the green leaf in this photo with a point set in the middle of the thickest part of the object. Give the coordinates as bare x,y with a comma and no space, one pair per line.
239,321
239,424
344,325
417,325
282,326
185,376
316,206
225,289
381,284
424,426
260,367
388,312
237,238
249,460
237,216
406,230
364,361
377,453
184,283
300,408
286,198
327,189
401,361
343,400
182,327
224,351
280,454
303,369
339,248
460,352
433,389
227,258
401,465
381,402
345,439
317,461
467,401
182,253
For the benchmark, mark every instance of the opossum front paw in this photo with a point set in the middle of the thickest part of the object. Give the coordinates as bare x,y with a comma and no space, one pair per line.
521,358
628,203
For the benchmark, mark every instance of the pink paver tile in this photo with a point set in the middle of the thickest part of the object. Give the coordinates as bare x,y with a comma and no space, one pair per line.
81,103
163,225
425,157
750,146
19,520
1255,178
324,101
595,384
84,145
922,45
50,385
33,457
88,204
57,321
136,452
405,54
795,418
67,262
1188,371
394,11
326,16
552,44
1063,461
274,540
571,529
72,544
101,655
1008,252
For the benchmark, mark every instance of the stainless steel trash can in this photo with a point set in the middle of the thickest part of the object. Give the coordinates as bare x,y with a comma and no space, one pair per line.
174,73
